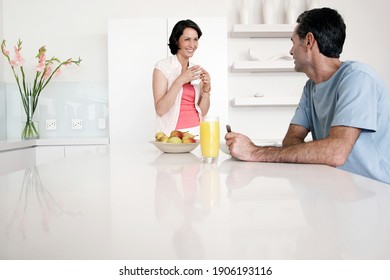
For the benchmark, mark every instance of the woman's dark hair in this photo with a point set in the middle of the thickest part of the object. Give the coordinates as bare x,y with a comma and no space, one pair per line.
177,31
328,28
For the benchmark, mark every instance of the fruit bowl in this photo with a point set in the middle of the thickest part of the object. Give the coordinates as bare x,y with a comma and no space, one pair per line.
175,148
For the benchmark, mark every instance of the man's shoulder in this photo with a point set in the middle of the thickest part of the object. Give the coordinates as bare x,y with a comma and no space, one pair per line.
356,68
352,65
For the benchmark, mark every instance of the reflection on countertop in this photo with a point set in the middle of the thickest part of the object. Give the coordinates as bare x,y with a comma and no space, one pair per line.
328,210
35,204
186,193
139,203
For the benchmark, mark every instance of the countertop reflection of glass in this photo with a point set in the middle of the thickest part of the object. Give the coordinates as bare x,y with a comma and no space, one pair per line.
35,205
186,193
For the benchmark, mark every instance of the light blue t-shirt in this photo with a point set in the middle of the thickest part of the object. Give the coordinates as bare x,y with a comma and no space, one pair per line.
354,96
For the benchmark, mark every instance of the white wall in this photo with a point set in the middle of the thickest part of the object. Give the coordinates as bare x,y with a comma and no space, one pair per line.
70,27
3,126
130,76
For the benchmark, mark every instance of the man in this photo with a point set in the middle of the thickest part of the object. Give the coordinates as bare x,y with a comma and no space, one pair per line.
344,105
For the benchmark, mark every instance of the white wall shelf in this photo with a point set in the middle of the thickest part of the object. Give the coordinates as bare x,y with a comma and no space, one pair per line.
262,30
263,66
265,101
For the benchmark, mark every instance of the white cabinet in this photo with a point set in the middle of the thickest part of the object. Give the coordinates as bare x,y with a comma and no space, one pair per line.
44,154
24,154
55,149
14,160
75,151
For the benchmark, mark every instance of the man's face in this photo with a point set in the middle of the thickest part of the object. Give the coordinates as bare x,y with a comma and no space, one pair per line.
298,52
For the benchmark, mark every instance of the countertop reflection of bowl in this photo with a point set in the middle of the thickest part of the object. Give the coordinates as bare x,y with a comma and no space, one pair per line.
263,143
171,160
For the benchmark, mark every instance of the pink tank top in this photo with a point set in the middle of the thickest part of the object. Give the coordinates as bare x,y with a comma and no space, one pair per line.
188,116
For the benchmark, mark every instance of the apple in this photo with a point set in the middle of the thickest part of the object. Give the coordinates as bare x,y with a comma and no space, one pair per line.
174,140
158,135
176,133
188,135
187,140
163,139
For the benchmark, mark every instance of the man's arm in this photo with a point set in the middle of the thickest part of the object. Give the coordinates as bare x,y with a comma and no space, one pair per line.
296,134
333,150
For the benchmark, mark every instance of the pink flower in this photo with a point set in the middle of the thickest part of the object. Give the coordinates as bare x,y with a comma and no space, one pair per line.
18,60
41,63
47,72
4,50
59,72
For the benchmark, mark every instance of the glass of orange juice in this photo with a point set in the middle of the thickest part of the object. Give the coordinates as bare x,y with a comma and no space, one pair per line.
209,139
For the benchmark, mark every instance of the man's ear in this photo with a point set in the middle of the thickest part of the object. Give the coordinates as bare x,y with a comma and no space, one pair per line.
309,39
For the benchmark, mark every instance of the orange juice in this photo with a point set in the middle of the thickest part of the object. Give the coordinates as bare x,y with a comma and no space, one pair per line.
209,138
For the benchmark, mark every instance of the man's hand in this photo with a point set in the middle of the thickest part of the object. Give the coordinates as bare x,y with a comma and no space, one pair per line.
241,147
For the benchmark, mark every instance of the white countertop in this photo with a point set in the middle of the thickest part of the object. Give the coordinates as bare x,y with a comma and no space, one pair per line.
135,202
13,144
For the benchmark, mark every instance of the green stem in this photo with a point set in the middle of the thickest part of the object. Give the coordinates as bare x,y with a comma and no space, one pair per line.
24,79
29,130
20,89
42,84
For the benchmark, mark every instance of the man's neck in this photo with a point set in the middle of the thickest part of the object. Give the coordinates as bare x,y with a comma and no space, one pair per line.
324,69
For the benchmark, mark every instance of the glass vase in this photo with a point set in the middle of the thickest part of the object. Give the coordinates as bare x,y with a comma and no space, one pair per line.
30,127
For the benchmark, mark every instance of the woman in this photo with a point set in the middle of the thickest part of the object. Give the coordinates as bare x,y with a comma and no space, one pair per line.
181,91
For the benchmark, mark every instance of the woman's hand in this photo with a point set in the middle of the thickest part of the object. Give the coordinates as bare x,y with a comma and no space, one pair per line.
205,87
191,73
205,84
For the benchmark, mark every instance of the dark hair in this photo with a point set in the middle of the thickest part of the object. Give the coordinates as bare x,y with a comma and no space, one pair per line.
177,31
328,28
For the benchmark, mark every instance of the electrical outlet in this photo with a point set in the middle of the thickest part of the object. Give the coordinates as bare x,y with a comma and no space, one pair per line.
51,124
102,123
77,124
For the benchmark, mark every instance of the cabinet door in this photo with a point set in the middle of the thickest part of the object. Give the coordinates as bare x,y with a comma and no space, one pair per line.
75,151
45,154
134,46
15,160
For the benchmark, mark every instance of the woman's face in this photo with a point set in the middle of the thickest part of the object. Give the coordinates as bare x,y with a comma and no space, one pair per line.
188,42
